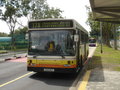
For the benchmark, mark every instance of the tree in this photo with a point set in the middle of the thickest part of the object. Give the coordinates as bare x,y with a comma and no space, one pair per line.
94,25
20,33
21,30
2,34
107,28
13,9
41,10
107,32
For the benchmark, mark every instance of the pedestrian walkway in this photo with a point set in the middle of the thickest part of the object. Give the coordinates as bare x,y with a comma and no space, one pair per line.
104,80
105,70
24,59
12,55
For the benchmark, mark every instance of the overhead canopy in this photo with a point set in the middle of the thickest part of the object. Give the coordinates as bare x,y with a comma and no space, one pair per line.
106,10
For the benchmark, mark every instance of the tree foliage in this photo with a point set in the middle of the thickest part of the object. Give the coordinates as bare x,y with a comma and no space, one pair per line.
21,31
41,10
94,25
20,34
107,28
13,9
2,34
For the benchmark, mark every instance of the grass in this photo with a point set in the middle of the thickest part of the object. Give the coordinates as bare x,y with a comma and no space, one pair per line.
6,51
25,49
117,68
109,59
3,51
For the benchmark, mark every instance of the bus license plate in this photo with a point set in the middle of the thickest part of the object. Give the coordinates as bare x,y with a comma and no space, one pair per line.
49,70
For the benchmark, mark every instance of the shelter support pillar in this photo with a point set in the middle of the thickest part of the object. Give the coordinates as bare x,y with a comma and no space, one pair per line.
101,37
115,37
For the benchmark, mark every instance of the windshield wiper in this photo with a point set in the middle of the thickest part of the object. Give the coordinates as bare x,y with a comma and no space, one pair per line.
62,54
35,56
63,57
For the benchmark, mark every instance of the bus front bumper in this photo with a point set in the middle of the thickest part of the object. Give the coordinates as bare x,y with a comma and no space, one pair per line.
57,70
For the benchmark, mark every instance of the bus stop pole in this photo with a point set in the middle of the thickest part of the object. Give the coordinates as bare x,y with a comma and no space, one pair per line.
101,36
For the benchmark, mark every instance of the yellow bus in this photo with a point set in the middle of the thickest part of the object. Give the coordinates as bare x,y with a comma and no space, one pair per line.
56,45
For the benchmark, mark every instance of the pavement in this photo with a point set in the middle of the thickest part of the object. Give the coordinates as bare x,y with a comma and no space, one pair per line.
12,55
104,80
100,78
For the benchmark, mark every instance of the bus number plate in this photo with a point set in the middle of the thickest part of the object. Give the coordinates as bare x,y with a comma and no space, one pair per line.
49,70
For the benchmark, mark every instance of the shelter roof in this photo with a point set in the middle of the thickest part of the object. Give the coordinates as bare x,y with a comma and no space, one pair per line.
106,10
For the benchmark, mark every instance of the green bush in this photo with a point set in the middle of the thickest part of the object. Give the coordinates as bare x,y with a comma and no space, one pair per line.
18,45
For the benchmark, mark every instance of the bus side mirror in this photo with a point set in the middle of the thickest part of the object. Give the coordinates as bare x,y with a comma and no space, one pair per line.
76,38
26,36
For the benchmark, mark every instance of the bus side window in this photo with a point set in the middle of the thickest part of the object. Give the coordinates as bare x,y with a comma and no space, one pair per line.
86,38
82,37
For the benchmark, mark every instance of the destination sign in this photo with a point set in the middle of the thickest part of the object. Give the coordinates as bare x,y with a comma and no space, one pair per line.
51,24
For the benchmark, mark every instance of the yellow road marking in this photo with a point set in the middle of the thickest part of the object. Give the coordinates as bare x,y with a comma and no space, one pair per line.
83,84
15,79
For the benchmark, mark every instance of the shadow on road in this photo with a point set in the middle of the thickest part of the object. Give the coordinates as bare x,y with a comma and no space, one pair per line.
95,65
57,79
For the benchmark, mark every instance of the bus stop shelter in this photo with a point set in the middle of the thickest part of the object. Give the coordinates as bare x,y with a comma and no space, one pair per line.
106,11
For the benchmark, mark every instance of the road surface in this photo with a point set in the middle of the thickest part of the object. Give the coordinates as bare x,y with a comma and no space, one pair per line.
14,76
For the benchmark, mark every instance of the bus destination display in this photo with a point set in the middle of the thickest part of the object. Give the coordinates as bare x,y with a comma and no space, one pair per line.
51,24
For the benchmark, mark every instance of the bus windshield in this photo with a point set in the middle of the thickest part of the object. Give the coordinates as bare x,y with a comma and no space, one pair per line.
52,42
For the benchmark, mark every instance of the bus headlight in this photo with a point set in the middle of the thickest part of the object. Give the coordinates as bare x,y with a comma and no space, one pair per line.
66,65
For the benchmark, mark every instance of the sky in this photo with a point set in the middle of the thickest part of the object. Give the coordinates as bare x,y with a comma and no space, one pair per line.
72,9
